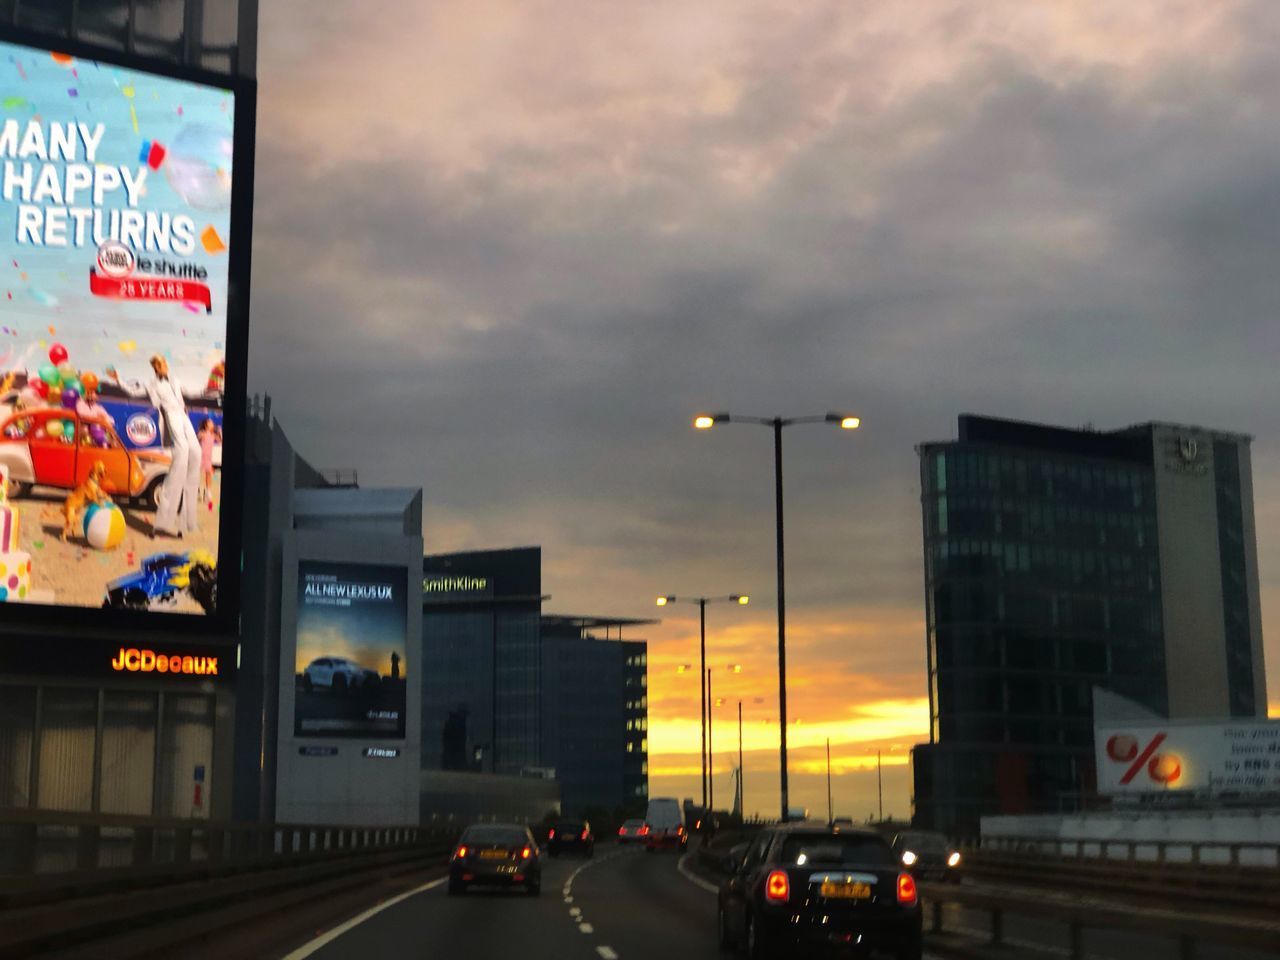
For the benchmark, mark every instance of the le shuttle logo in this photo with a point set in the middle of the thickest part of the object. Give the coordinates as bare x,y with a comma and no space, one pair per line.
133,660
1164,769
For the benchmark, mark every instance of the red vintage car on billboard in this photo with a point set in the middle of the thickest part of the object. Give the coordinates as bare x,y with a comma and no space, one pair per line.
57,448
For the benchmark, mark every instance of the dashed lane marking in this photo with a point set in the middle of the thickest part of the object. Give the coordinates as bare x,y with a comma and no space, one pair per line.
568,899
607,953
586,928
575,912
307,949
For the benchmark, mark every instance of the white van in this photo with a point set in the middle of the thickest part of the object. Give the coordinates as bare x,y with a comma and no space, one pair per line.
664,825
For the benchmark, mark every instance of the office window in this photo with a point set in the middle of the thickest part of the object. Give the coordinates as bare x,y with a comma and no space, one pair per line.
17,721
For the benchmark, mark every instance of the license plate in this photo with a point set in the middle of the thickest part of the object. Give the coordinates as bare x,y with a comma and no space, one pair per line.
846,891
493,854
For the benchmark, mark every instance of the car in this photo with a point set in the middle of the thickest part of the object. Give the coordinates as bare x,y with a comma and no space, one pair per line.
336,673
161,576
572,836
664,825
496,854
632,831
800,887
38,455
928,855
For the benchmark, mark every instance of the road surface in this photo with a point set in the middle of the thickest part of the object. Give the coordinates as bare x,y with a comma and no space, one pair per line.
625,904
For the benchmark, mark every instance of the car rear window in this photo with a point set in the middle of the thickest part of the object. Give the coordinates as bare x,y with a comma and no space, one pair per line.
571,826
509,835
828,849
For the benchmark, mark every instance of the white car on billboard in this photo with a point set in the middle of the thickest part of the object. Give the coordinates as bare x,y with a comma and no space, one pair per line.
336,673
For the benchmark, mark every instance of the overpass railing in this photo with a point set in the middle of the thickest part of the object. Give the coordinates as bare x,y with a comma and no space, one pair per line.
1195,852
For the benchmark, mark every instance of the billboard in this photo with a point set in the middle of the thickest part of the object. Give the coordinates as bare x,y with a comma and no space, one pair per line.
349,671
117,301
1145,757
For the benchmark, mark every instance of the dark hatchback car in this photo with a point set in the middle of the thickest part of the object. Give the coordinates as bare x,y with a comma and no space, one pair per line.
571,836
928,855
799,888
496,854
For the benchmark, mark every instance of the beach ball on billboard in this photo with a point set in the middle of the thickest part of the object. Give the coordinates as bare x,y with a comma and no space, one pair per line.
104,525
198,166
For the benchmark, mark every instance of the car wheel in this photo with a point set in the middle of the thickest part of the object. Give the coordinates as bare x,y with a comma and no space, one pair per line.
722,924
457,887
757,947
152,497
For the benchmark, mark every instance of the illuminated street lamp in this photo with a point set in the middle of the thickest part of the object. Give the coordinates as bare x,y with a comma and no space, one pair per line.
845,421
742,600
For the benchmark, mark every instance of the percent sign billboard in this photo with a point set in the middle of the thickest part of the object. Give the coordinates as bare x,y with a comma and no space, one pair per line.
116,305
1144,757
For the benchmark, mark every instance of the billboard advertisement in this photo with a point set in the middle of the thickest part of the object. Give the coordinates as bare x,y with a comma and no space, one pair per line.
350,653
115,271
1145,757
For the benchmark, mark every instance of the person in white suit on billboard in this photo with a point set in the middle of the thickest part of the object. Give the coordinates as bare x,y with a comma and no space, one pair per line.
182,484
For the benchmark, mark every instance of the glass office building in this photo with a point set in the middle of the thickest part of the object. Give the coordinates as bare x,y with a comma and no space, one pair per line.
509,690
1058,560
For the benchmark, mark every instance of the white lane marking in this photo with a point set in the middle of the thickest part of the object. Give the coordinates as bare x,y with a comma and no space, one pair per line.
692,878
307,949
607,953
568,899
575,912
586,928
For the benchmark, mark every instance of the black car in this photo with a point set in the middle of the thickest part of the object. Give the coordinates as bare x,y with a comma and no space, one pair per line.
928,855
496,854
802,887
571,836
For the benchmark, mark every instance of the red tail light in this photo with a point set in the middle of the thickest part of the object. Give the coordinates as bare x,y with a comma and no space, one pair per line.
526,853
460,853
906,889
777,888
644,831
622,831
584,834
551,834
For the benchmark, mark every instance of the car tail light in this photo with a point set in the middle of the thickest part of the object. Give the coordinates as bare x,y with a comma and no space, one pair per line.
906,889
460,853
777,888
526,853
679,831
622,831
584,834
644,831
551,834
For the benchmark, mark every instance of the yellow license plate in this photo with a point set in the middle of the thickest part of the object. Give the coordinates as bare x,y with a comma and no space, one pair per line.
493,854
846,891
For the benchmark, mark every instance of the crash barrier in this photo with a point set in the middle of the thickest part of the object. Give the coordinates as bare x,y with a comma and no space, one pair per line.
136,874
1241,888
1208,852
1185,931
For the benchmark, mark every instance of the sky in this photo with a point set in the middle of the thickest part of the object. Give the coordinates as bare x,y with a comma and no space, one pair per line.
505,249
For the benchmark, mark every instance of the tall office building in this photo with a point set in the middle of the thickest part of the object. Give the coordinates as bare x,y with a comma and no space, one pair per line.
1057,560
509,690
216,35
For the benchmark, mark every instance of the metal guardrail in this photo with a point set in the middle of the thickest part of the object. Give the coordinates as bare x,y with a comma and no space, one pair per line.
1187,931
48,844
1219,852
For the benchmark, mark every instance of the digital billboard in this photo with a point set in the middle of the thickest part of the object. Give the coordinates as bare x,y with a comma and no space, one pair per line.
1161,756
115,271
350,653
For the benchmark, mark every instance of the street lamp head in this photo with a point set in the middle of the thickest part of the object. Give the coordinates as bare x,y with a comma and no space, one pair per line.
742,600
684,668
736,668
705,421
663,601
845,420
719,701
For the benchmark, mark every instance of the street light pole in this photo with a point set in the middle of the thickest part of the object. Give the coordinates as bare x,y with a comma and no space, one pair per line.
846,422
742,810
711,773
702,653
830,814
880,786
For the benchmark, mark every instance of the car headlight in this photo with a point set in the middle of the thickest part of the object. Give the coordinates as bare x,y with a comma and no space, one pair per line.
954,859
908,858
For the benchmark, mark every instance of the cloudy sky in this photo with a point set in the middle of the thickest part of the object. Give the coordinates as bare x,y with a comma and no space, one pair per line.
504,249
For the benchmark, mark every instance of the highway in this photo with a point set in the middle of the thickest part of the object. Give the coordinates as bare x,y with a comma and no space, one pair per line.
625,904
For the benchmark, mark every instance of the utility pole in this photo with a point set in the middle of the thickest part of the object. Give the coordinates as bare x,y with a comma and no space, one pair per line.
742,797
830,813
880,786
